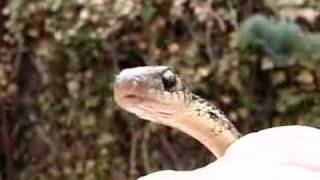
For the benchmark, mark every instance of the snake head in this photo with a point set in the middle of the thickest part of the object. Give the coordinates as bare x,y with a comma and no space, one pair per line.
154,93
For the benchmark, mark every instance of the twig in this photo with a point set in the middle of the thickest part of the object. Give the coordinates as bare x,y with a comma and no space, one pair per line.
169,150
208,41
6,110
133,154
6,139
144,148
316,80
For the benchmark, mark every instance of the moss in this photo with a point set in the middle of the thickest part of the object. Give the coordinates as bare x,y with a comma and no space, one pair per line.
282,41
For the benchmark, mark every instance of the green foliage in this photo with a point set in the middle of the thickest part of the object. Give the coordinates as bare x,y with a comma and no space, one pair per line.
78,46
148,11
283,41
85,46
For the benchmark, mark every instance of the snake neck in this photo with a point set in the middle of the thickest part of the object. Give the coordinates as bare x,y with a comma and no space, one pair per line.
207,124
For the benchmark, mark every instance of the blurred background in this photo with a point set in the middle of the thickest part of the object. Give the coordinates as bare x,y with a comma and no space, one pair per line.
58,60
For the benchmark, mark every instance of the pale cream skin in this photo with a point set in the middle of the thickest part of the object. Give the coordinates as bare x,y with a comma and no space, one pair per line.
289,152
280,153
144,92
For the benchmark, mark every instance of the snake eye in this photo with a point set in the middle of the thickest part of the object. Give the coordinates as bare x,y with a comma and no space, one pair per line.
169,79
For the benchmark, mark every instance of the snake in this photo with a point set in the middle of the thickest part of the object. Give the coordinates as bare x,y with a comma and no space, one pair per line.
158,94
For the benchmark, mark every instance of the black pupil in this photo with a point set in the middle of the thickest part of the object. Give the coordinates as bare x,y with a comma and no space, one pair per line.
168,79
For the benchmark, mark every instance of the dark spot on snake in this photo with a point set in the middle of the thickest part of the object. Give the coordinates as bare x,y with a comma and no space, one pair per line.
169,79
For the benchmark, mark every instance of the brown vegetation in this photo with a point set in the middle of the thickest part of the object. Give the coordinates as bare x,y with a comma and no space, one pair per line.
58,60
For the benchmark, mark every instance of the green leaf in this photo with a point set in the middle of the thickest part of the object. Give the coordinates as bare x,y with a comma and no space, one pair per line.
147,12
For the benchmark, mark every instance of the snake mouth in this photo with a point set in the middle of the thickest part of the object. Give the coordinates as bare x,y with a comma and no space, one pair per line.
128,99
130,96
